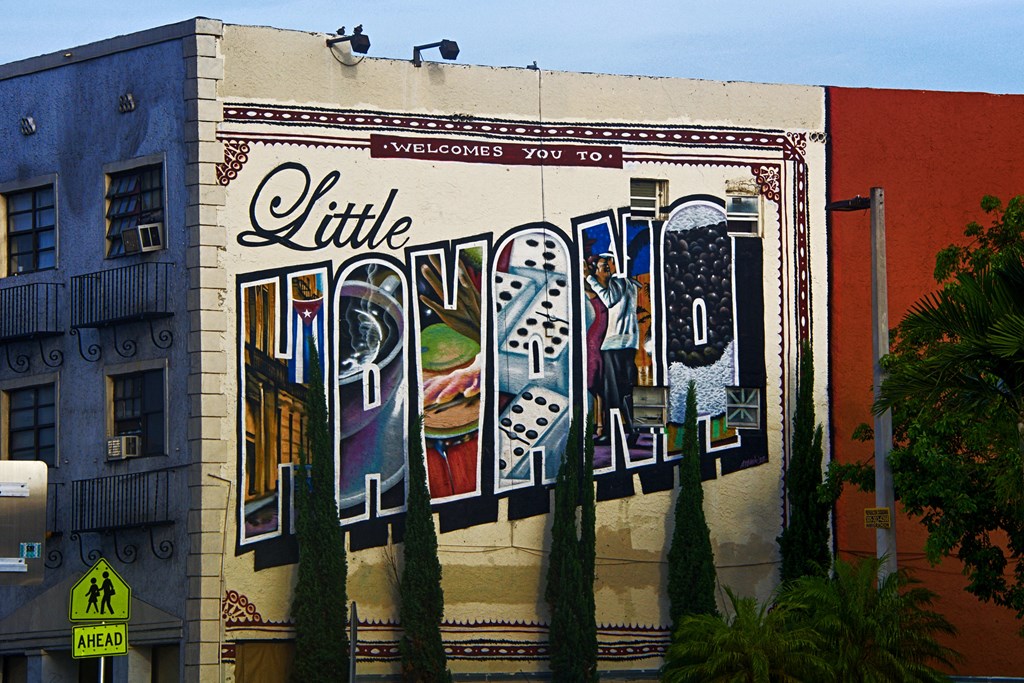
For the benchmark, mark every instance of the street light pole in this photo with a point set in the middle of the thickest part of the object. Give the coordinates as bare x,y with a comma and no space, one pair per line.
885,537
885,497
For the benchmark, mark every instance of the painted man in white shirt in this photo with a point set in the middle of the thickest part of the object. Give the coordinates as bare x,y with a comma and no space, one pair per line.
621,341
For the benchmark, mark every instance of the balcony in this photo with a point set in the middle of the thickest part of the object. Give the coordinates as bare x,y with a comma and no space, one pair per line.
119,296
139,501
29,312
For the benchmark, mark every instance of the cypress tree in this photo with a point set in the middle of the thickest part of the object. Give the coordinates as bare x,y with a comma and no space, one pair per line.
420,592
691,561
565,591
804,543
320,602
588,555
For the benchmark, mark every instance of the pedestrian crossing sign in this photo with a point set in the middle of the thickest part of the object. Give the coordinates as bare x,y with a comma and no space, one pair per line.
100,595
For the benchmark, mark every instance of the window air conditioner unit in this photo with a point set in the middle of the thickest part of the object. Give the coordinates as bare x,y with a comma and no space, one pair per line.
143,237
121,447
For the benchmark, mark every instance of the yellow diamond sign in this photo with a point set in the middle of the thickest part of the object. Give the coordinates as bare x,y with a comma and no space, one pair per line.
100,595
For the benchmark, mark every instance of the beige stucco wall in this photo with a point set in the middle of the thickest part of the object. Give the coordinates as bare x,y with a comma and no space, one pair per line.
494,572
292,66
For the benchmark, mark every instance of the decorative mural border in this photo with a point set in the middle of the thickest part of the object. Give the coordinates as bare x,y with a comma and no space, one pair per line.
792,145
771,158
768,178
481,641
485,649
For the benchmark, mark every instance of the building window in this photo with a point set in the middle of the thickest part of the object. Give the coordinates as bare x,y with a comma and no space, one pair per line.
742,408
647,197
139,409
135,210
31,230
743,214
32,423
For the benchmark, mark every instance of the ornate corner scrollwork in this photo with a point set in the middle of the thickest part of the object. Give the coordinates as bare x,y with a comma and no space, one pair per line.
162,550
126,348
53,359
88,559
237,610
20,364
798,145
128,553
90,353
236,153
54,559
769,182
162,339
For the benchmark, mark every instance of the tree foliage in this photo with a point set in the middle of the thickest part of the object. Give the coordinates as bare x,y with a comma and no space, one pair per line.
758,643
691,561
819,629
955,385
320,602
569,592
872,633
588,554
804,543
420,592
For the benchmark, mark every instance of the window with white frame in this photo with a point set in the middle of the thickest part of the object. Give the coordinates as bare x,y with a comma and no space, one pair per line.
743,213
31,420
137,402
31,229
647,197
135,210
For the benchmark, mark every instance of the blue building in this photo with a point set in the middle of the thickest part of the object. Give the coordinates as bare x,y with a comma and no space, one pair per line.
101,183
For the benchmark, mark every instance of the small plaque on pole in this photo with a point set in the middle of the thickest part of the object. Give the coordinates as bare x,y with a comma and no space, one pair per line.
877,518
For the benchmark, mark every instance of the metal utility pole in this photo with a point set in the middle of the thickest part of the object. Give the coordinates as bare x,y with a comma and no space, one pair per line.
883,516
885,497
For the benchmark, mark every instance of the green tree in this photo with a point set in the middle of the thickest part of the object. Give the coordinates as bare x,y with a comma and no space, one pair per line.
872,633
420,592
569,592
956,389
320,601
804,543
691,561
843,628
758,644
588,553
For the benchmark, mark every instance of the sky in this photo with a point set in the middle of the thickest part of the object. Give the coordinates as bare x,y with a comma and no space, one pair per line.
957,45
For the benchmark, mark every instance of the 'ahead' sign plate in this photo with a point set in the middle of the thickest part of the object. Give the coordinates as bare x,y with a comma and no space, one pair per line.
100,640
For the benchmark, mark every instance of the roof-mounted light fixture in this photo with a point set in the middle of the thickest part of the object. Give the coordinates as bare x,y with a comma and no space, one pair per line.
358,41
449,50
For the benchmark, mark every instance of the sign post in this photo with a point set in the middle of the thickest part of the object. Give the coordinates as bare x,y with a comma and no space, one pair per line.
102,596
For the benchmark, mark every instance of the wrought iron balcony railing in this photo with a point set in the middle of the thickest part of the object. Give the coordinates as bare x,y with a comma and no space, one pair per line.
29,311
119,505
121,501
118,295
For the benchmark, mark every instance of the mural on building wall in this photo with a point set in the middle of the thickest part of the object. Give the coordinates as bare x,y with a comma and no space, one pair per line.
451,332
533,321
700,338
494,338
616,280
371,389
274,386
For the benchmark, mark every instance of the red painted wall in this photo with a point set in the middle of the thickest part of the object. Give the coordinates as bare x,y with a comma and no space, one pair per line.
935,154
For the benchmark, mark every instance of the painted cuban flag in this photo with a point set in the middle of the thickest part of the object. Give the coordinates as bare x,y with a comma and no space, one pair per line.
307,324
